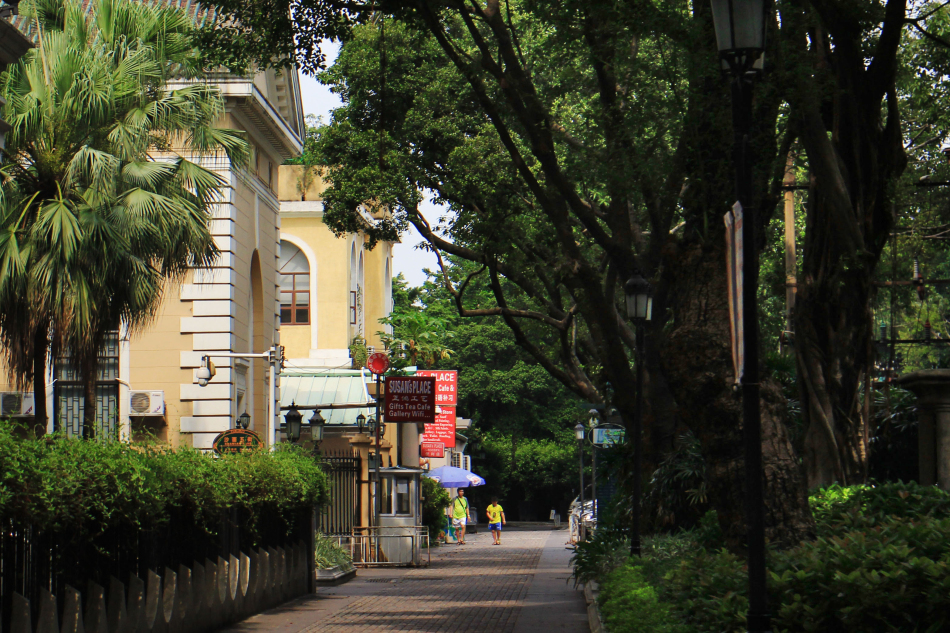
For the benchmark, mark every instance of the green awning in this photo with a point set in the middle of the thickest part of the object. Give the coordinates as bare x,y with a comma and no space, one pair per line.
332,386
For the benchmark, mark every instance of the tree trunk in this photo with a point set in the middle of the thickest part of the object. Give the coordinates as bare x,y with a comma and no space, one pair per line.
697,361
40,350
832,327
850,128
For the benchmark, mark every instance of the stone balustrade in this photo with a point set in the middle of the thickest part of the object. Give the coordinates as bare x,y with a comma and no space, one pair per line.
193,599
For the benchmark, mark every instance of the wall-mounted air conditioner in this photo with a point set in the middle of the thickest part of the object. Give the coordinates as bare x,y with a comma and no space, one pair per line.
147,403
16,403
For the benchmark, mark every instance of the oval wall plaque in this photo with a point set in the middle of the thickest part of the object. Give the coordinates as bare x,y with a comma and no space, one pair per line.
236,441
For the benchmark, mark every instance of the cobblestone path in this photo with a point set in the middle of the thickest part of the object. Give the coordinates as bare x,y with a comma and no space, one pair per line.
517,587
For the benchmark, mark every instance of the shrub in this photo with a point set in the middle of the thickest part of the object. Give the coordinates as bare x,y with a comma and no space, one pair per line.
84,488
597,557
881,563
435,499
676,496
836,508
628,604
328,554
894,576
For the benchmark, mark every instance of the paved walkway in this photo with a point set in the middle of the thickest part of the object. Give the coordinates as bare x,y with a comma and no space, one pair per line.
519,587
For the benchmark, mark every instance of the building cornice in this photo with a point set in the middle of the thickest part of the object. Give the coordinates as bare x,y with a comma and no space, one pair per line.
245,97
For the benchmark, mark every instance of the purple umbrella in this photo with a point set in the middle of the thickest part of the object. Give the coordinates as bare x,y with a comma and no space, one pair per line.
452,477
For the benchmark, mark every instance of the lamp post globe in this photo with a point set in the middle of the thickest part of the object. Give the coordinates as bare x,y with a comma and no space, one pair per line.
317,424
594,417
360,421
579,432
639,298
293,420
371,425
740,34
244,420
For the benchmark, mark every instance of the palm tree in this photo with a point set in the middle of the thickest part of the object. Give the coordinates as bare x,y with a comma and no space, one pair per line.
416,337
103,199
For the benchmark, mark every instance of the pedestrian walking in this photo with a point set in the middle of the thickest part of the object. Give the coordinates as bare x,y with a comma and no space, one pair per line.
496,519
460,515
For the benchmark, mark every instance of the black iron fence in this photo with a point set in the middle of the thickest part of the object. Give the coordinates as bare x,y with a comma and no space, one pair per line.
341,514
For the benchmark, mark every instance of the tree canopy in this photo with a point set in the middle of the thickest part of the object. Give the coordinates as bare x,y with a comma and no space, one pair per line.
577,143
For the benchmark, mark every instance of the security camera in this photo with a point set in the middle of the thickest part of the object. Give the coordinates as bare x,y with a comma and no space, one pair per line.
206,372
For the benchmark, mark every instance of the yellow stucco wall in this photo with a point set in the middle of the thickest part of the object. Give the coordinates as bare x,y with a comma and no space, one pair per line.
333,271
154,360
292,184
332,303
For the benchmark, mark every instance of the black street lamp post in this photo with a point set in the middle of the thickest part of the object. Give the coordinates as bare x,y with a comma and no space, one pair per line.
579,433
740,34
640,310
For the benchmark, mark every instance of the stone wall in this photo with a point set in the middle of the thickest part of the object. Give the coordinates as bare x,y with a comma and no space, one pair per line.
193,599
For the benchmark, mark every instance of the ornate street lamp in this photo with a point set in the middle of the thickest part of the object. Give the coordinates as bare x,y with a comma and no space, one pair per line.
317,424
360,421
740,33
292,423
639,299
640,310
243,420
371,425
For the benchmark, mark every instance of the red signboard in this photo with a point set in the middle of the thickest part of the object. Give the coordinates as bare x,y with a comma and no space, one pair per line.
446,385
432,449
443,429
410,399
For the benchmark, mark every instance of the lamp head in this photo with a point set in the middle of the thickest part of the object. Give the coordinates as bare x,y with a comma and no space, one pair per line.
740,34
639,298
317,423
579,432
360,421
292,422
244,420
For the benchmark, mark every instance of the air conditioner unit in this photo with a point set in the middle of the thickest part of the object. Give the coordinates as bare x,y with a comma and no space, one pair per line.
147,403
16,403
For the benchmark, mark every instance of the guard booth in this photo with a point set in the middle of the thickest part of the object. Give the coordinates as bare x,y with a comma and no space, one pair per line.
401,533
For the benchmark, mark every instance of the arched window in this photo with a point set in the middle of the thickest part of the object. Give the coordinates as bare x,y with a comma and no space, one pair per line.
293,271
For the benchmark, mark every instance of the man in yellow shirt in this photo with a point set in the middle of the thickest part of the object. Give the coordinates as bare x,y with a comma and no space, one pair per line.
460,516
496,519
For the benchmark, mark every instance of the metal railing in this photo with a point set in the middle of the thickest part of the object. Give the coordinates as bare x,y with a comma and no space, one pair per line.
382,546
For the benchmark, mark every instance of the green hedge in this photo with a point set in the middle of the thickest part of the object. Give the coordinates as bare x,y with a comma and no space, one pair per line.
85,487
881,563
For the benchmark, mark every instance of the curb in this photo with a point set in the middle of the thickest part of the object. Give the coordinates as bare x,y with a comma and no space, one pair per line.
591,590
334,576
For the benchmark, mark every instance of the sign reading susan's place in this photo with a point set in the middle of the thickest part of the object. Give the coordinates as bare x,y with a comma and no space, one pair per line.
236,441
410,399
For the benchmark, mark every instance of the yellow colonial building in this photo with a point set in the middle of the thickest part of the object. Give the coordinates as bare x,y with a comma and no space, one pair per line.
333,294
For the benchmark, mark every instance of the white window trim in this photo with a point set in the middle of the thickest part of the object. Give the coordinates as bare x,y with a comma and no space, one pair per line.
312,261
